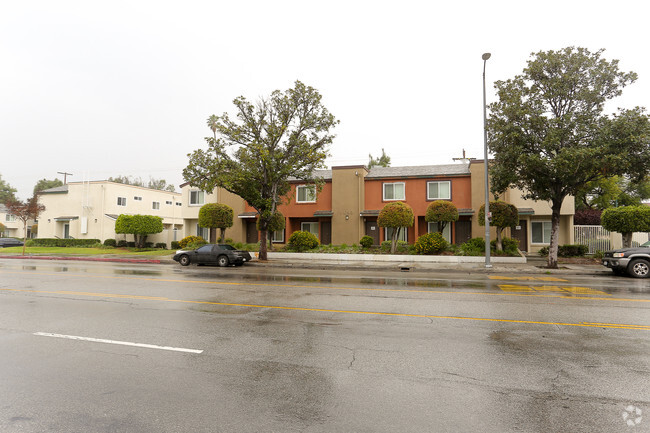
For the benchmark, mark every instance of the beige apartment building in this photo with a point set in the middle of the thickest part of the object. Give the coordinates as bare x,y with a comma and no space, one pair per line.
14,227
88,210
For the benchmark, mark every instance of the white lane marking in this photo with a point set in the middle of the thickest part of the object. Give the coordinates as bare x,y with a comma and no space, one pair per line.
122,343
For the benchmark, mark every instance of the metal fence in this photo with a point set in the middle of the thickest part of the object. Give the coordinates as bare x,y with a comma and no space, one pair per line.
595,237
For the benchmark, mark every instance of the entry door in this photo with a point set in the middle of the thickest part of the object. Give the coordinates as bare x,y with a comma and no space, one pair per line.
521,234
251,232
66,231
463,231
326,232
372,230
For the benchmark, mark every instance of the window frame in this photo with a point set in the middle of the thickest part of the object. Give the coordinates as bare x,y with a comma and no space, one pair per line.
438,182
200,231
383,188
403,233
317,234
153,205
121,201
306,188
446,233
9,218
544,224
199,194
278,239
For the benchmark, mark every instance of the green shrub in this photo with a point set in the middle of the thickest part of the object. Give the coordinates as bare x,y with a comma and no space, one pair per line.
196,244
176,245
567,250
190,239
543,251
510,246
366,241
161,245
29,243
54,242
402,247
121,244
302,241
473,247
130,244
430,243
110,243
229,241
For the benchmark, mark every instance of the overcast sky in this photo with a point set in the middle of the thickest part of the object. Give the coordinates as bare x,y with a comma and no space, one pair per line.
99,88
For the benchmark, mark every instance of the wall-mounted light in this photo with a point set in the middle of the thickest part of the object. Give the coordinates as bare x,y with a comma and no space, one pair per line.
347,217
356,173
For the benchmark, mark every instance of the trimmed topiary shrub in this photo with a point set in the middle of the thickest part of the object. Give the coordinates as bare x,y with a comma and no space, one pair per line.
121,244
110,243
431,243
161,245
302,241
54,242
366,241
510,246
190,239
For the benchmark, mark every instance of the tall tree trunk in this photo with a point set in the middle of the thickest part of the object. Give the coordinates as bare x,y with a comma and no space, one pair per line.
263,251
24,235
499,238
223,236
555,234
393,244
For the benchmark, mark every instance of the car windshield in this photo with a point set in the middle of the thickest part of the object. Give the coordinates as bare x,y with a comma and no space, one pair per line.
226,247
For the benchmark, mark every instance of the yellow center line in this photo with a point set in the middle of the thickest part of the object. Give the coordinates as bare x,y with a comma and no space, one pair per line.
532,293
327,310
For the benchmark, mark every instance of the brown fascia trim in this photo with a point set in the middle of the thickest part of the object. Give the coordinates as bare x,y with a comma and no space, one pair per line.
435,176
343,167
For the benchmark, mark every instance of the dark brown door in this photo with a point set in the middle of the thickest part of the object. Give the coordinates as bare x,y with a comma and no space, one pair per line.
326,232
521,234
372,230
251,232
463,231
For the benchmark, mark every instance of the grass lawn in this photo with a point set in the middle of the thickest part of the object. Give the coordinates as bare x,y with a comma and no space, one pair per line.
58,251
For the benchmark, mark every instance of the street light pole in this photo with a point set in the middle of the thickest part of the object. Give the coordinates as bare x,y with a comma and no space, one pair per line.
485,57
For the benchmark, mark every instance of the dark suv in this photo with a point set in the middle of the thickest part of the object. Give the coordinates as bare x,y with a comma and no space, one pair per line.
10,242
633,261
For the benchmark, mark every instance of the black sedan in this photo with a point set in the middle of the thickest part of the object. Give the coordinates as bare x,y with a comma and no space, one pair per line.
633,261
10,242
211,254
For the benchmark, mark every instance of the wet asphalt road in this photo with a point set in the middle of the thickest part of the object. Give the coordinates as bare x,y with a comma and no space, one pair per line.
265,350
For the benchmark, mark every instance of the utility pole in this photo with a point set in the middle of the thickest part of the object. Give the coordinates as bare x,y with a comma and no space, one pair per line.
65,176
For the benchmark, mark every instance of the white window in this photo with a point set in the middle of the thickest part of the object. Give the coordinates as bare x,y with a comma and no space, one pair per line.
203,232
169,203
311,228
306,193
136,198
446,232
10,218
155,205
401,236
197,198
394,191
541,232
439,190
278,236
179,204
121,201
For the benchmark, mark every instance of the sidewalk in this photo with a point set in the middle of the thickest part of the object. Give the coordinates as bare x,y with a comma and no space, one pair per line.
532,265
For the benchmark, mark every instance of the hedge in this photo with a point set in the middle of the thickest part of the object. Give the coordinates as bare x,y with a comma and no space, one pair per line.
54,242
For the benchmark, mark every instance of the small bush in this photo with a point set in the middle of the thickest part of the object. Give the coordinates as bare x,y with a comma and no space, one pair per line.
54,242
543,251
473,247
302,241
510,246
196,244
110,243
121,244
190,239
29,243
367,241
402,247
161,245
567,250
430,243
130,244
228,241
176,245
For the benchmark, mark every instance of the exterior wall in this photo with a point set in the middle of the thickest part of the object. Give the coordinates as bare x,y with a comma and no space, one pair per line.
191,213
541,211
13,229
347,204
96,204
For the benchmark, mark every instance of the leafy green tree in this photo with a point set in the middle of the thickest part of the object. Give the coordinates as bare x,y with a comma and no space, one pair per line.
550,136
25,211
626,220
140,226
44,184
283,136
382,161
442,212
503,215
276,223
396,215
613,191
7,193
216,216
159,184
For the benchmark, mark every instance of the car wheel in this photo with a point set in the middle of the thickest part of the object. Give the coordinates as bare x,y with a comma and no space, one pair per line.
184,260
223,261
639,268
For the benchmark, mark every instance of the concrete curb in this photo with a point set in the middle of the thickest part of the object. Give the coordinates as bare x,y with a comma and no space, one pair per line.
86,259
